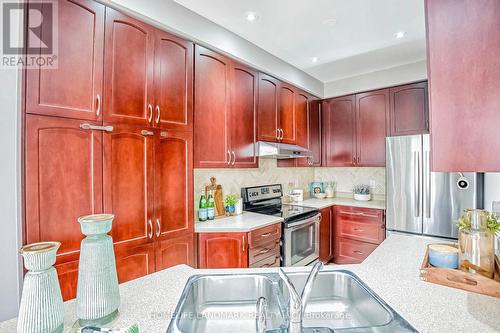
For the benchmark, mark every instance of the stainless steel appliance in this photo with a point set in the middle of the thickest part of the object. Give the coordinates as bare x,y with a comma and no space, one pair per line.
300,229
420,201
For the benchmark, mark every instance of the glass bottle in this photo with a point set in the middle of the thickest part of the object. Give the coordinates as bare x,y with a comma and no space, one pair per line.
202,208
210,207
41,307
476,245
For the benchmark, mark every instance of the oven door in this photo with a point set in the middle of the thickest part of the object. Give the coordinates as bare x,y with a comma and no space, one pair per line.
301,242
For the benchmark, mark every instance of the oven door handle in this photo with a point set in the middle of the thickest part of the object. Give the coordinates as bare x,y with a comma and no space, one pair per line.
303,224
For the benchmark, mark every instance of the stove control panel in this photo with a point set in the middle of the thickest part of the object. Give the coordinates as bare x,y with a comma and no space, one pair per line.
256,193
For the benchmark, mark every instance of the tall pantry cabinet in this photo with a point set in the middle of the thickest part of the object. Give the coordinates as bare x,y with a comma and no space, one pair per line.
117,141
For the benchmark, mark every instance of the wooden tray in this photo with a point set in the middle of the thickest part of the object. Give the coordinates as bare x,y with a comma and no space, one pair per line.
456,278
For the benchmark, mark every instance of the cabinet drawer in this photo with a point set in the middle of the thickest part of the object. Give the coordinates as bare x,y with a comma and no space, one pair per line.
353,252
264,235
360,214
263,251
365,232
272,261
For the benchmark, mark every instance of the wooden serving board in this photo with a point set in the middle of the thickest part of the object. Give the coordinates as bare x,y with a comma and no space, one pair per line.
456,278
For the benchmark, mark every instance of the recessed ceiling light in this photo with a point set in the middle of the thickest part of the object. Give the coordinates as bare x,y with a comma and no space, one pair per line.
400,34
330,22
251,16
314,59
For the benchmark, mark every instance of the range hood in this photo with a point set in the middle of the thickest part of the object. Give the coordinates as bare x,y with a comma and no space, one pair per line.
281,150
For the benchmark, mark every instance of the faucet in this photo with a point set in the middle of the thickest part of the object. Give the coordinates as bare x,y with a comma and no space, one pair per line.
297,304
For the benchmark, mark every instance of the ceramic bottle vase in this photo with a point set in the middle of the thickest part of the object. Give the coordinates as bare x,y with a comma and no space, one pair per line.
97,295
41,309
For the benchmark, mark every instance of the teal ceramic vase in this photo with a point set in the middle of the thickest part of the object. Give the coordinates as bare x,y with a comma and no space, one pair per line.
97,296
41,309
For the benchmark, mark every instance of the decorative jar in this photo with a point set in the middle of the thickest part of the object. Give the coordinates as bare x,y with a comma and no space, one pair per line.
41,309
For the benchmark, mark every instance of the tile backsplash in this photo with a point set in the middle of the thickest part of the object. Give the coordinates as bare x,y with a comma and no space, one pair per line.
232,180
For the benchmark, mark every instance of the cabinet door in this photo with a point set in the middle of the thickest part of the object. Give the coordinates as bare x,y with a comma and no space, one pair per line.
63,181
302,125
326,235
268,115
175,251
74,88
173,82
287,119
211,108
173,184
409,109
128,70
243,114
133,262
67,273
338,124
315,131
223,250
128,183
372,123
463,46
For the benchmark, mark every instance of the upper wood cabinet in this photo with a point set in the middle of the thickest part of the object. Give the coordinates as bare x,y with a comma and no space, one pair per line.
372,124
173,82
243,116
409,109
338,127
287,119
128,70
75,88
463,47
315,132
225,112
268,116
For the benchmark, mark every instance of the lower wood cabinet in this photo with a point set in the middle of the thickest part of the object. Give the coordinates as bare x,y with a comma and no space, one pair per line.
326,235
257,248
358,232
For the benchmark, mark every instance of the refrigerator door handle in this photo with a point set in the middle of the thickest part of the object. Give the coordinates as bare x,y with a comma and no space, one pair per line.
427,185
416,184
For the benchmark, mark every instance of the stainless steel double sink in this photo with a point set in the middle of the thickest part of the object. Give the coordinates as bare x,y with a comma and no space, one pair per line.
226,303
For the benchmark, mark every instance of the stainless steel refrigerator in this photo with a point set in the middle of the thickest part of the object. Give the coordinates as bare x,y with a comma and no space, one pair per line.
420,201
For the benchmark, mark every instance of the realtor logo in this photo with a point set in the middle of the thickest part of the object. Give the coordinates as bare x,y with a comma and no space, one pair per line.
31,45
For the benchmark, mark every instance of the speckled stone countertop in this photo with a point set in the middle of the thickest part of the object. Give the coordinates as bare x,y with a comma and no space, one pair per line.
392,271
240,223
323,203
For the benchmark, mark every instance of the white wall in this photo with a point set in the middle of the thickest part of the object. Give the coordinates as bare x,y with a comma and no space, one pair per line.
10,225
171,16
379,79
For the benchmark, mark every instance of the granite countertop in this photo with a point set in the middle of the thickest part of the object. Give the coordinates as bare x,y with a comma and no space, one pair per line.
339,201
241,223
392,271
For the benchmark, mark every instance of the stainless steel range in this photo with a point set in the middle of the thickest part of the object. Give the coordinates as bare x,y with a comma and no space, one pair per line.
300,231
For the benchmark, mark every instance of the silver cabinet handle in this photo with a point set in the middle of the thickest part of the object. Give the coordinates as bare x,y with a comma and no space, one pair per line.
228,158
98,111
264,251
86,126
150,109
234,157
158,112
147,133
282,134
158,231
357,252
277,134
243,243
150,233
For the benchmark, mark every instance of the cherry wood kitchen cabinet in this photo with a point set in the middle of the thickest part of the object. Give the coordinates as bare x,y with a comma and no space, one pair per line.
173,82
211,105
75,88
268,116
302,101
372,126
128,70
326,235
287,119
358,232
409,109
256,248
463,47
339,131
171,252
315,132
133,262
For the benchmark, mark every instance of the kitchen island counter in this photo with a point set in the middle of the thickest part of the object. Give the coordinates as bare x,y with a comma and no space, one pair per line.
392,271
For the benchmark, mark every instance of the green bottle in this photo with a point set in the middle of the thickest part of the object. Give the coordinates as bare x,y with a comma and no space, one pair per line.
210,207
202,211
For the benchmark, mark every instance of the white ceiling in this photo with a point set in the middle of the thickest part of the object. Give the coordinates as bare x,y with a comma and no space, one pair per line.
361,40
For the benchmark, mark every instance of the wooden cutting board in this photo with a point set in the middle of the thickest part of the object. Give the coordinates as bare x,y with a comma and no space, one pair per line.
218,196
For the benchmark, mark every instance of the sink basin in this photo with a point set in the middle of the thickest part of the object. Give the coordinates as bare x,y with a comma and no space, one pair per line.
339,302
226,303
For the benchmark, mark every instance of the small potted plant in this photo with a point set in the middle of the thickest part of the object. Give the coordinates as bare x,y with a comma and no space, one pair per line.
230,203
362,193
